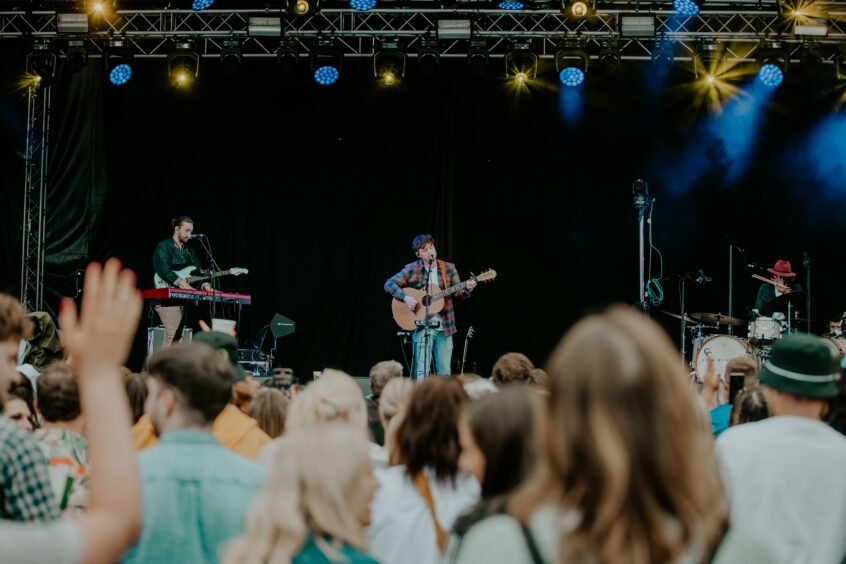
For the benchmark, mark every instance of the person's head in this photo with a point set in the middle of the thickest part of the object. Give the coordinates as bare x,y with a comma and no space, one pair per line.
835,325
333,396
381,373
538,378
18,411
182,226
58,394
136,393
745,366
424,247
497,439
244,392
475,386
269,409
14,327
749,406
512,368
427,436
320,484
25,392
188,386
800,376
392,405
623,444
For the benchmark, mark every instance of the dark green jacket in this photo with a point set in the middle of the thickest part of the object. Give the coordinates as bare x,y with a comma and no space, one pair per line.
766,294
168,258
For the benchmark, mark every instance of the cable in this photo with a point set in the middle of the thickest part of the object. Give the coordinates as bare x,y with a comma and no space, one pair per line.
654,290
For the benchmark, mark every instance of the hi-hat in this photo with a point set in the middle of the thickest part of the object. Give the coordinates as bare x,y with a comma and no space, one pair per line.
717,319
686,318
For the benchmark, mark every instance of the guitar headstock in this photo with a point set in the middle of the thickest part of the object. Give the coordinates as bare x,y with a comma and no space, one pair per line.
471,332
486,276
239,271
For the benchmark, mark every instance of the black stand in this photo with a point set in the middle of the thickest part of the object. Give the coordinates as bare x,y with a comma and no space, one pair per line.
641,200
214,280
427,325
806,262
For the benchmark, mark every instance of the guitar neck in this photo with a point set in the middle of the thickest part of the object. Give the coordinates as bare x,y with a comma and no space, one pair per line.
193,279
449,291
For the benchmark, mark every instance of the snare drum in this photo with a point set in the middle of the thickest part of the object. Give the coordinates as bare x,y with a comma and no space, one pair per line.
764,330
722,349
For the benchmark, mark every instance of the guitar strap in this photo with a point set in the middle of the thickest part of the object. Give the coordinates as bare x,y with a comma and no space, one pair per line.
442,266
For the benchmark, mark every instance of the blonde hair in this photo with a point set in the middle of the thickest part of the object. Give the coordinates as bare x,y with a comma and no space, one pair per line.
392,404
314,487
382,373
333,396
622,445
269,409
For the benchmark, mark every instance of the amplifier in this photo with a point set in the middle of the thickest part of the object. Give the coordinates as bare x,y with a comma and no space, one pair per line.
156,337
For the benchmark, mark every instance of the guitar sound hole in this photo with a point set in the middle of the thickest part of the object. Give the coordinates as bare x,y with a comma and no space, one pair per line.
427,301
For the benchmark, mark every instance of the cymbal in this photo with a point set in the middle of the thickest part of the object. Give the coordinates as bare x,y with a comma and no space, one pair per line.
780,303
686,318
717,318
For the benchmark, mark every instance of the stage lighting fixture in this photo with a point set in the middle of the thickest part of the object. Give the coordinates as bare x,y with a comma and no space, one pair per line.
389,62
688,8
118,62
72,23
198,5
571,62
183,64
577,9
362,5
817,27
301,7
428,55
77,55
287,57
511,5
609,57
520,63
41,62
477,56
773,59
812,57
663,54
454,29
707,61
326,58
637,25
230,55
264,27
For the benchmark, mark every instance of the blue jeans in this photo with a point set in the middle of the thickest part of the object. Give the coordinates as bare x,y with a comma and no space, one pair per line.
440,353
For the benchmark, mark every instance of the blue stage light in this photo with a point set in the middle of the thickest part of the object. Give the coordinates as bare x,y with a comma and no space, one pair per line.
120,74
511,5
198,5
686,7
362,5
571,76
326,75
770,75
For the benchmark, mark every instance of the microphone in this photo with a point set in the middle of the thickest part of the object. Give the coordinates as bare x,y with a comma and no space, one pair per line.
431,256
702,278
197,235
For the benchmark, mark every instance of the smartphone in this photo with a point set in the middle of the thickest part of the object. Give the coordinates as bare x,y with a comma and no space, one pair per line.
736,380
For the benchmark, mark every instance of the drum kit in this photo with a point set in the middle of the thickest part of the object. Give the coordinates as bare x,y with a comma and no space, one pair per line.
710,341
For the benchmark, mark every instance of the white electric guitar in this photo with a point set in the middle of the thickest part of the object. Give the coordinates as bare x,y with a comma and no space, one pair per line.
186,274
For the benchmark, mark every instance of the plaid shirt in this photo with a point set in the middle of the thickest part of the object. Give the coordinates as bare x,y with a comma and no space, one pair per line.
414,275
25,492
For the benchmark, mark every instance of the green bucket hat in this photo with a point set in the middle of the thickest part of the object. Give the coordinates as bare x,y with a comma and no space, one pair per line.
801,365
226,345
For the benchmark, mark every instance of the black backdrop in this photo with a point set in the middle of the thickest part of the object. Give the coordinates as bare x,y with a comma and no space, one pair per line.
319,192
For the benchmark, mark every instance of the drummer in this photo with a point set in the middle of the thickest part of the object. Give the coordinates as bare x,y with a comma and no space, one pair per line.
835,326
784,282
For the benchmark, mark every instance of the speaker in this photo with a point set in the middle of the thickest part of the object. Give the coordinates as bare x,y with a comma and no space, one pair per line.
281,326
156,337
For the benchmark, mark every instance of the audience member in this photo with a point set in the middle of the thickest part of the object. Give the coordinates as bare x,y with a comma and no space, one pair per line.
392,405
381,373
17,411
419,499
749,406
136,393
269,409
475,386
315,503
196,491
512,368
23,392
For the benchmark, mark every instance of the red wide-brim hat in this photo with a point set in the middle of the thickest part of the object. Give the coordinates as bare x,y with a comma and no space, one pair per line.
782,268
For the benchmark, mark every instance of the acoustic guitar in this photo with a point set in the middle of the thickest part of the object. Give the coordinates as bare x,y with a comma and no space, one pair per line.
406,318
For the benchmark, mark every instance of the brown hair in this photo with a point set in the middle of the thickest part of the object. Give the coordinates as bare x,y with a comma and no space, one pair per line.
381,373
427,436
244,392
198,373
136,393
746,366
14,323
174,223
512,368
58,393
623,446
269,409
749,406
421,241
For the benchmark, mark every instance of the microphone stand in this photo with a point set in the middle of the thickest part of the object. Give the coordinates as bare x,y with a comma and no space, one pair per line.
731,284
214,279
683,340
427,323
641,201
806,262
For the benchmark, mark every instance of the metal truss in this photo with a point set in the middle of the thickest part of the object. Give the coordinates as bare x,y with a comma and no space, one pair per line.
35,196
150,32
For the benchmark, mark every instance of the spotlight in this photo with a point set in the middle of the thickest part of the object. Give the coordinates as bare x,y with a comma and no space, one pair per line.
520,63
198,5
571,62
118,62
389,62
41,61
230,55
287,56
477,56
362,5
301,7
183,64
326,60
708,59
688,8
511,5
609,57
77,56
773,58
577,9
428,55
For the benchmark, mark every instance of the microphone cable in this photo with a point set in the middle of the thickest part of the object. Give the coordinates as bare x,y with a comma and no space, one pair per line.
654,290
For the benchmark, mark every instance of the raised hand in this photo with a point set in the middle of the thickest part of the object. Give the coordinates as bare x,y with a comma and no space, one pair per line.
100,335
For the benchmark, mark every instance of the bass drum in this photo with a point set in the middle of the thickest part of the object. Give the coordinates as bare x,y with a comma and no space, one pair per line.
722,349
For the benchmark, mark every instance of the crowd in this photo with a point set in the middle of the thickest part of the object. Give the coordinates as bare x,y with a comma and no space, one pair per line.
606,456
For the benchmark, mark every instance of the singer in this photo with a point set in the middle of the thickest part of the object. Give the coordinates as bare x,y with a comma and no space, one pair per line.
171,256
427,269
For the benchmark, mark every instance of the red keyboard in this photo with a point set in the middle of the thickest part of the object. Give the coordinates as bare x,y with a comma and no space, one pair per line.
196,296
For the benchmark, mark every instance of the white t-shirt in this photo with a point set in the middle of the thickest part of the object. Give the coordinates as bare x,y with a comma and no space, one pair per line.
786,480
59,542
401,529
